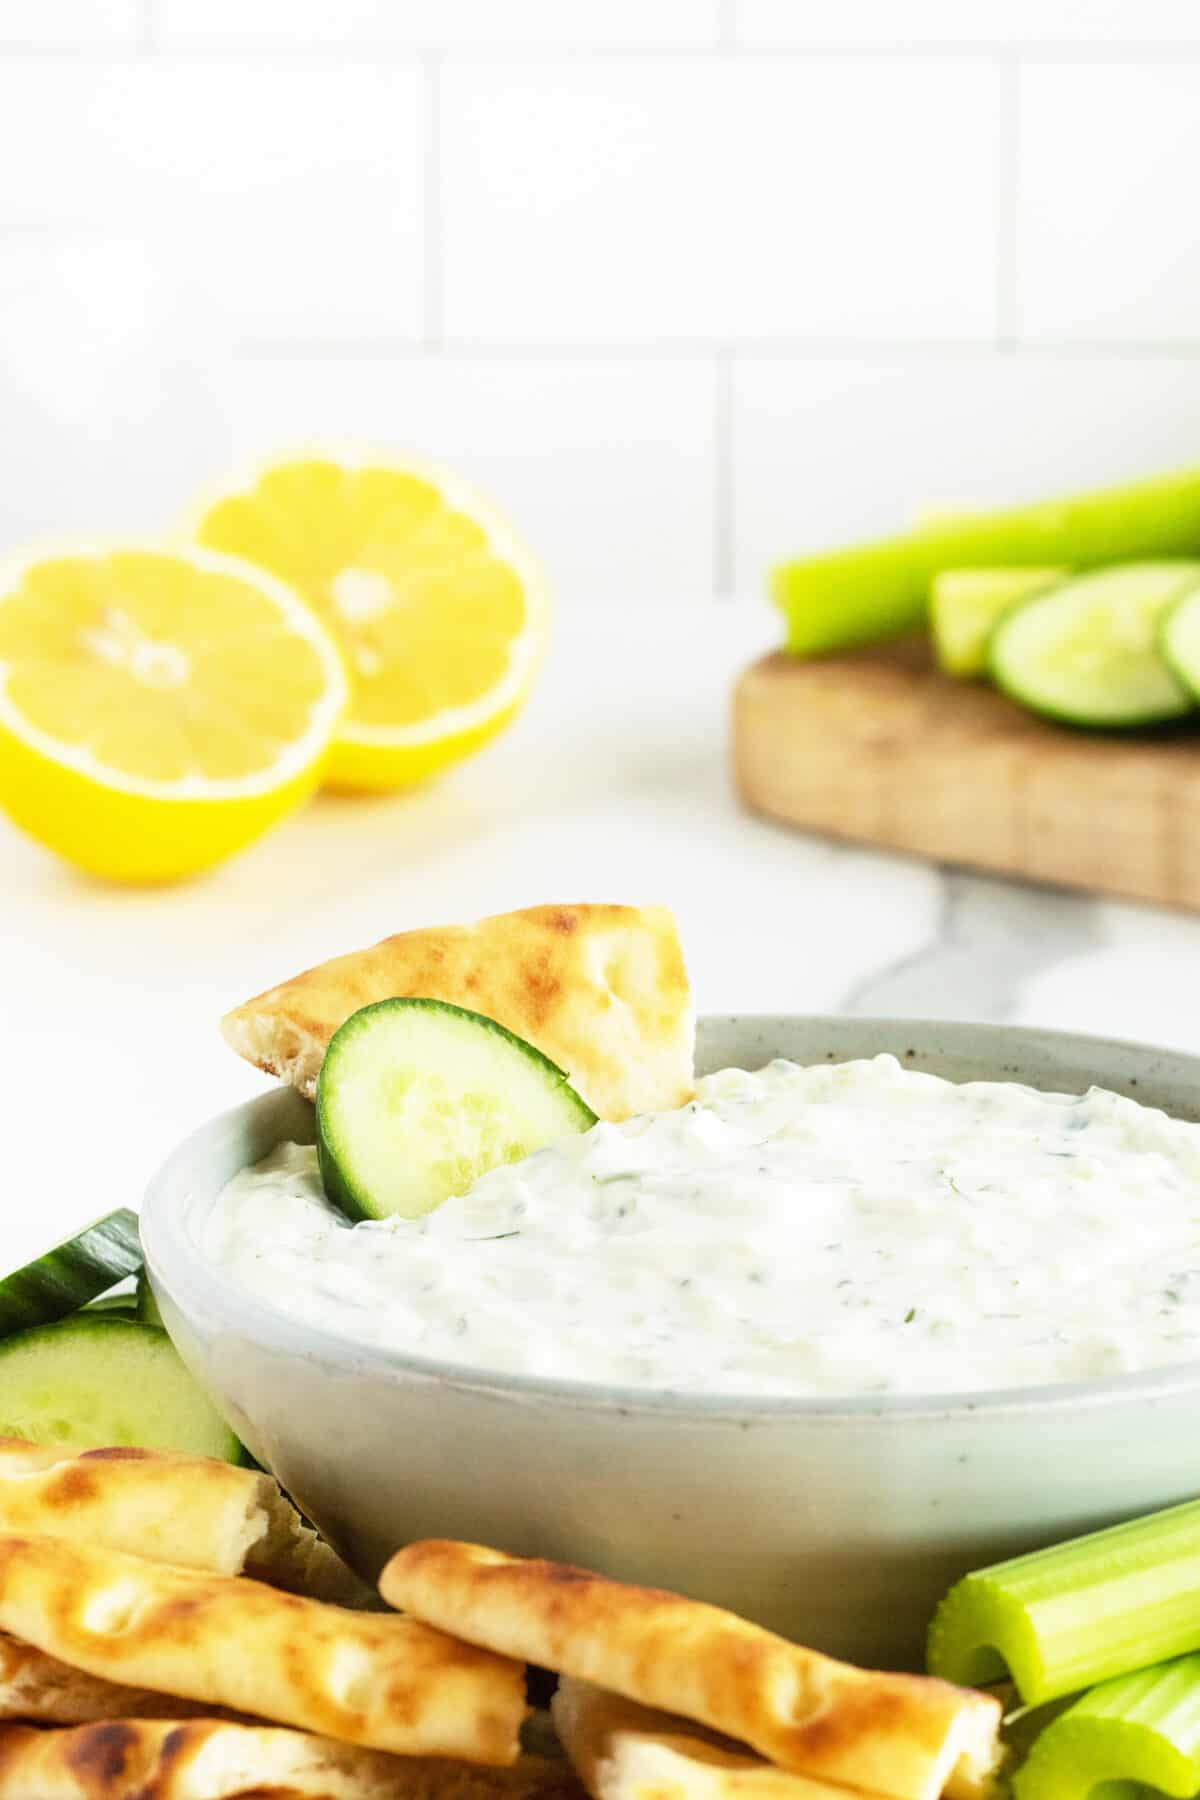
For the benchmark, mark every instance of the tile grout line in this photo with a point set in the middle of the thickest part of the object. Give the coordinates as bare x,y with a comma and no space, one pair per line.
1008,197
367,52
641,350
434,245
724,476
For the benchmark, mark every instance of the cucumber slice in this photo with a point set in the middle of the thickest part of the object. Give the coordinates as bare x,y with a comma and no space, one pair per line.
146,1305
99,1379
1179,640
65,1278
965,605
1086,652
417,1098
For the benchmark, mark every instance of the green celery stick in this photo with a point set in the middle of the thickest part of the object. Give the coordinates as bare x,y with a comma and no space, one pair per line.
877,590
1142,1728
1062,1619
964,605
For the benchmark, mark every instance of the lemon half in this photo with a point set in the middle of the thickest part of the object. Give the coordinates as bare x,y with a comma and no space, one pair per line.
439,609
158,709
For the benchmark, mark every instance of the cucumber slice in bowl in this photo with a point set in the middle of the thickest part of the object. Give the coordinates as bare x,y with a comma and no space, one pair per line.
1086,653
417,1098
98,1379
74,1272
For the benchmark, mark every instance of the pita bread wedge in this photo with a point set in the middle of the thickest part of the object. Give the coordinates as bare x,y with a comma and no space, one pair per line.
623,1751
188,1510
364,1678
205,1759
901,1735
601,990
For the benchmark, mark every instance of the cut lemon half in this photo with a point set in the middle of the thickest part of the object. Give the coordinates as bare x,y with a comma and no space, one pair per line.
439,609
158,709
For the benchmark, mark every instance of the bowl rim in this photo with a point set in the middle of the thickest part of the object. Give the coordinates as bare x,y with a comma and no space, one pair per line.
172,1259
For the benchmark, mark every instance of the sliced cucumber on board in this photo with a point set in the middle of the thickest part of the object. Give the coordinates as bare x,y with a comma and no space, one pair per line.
965,605
416,1099
74,1272
1179,640
98,1379
1086,652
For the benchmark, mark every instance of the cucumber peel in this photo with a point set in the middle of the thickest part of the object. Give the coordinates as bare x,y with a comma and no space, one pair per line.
71,1274
1086,652
417,1098
99,1379
965,606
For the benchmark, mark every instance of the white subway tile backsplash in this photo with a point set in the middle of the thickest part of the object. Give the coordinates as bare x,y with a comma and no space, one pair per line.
1106,242
598,212
837,448
605,465
70,24
718,198
1086,23
437,24
292,196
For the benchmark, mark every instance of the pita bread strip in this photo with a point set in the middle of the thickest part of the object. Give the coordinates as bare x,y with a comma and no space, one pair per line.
623,1751
364,1678
601,990
898,1735
40,1690
192,1511
206,1759
189,1510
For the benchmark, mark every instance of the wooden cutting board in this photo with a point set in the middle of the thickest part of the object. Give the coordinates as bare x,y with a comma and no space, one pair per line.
880,747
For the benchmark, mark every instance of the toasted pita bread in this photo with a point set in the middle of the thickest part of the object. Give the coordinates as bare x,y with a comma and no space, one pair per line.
623,1751
205,1759
187,1510
601,990
364,1678
900,1735
40,1690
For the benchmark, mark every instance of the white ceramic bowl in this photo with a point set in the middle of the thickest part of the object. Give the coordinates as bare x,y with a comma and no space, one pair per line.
839,1522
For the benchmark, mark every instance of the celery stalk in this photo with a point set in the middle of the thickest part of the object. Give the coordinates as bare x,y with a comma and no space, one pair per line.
1082,1612
1142,1728
847,597
966,604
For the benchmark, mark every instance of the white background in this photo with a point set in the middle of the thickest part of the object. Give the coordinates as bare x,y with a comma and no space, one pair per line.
688,285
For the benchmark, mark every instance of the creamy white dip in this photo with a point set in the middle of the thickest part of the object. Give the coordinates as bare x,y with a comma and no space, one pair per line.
848,1228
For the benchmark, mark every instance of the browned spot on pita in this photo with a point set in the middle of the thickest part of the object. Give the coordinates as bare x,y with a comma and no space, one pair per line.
73,1487
102,1751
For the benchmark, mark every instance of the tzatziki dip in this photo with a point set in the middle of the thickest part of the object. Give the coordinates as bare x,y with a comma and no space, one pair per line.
845,1228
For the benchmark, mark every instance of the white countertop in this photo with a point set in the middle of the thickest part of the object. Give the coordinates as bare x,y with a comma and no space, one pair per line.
614,785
